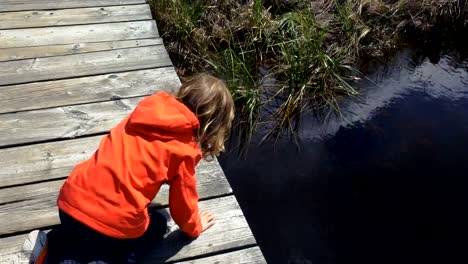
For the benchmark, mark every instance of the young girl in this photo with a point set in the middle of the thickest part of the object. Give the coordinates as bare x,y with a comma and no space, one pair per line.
103,205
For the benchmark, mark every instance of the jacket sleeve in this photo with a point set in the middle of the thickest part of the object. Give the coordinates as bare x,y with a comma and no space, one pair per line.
183,199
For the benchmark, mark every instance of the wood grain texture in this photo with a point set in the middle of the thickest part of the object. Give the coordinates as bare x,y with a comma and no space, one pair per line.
15,38
63,122
210,182
17,5
251,255
231,230
50,68
10,54
76,16
77,68
44,161
38,201
10,250
48,161
99,88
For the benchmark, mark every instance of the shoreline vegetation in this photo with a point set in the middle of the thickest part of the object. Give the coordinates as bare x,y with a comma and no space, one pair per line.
314,50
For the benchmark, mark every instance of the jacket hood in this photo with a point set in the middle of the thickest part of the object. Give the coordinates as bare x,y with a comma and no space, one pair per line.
162,115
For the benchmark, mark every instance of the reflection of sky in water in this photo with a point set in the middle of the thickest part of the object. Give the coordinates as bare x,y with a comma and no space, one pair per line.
446,80
386,183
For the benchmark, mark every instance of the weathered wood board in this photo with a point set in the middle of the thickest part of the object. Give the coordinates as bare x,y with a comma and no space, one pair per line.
251,255
50,68
230,231
43,162
22,53
11,38
38,201
70,70
16,5
63,122
75,16
112,86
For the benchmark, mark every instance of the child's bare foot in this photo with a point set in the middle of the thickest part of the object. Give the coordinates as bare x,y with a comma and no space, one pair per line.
207,220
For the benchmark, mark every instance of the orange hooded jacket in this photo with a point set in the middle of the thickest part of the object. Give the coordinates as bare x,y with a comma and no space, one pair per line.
155,144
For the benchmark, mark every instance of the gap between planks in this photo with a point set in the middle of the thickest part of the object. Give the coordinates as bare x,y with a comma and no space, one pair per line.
230,231
86,64
38,201
63,122
85,90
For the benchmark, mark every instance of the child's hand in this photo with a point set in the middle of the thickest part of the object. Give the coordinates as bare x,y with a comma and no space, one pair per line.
207,220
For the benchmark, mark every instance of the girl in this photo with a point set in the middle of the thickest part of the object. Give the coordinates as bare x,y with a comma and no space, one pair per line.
103,205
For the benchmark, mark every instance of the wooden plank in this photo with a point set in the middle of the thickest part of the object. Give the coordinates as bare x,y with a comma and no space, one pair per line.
210,179
87,89
42,162
18,5
77,16
51,161
50,68
252,255
10,250
63,122
76,48
11,38
38,201
230,231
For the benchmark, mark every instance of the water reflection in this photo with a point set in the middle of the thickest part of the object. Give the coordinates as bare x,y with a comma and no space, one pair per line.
387,83
386,183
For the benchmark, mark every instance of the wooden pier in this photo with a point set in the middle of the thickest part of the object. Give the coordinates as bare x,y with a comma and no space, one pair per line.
69,71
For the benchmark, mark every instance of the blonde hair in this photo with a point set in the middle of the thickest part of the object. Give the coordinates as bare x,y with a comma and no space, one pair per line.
210,100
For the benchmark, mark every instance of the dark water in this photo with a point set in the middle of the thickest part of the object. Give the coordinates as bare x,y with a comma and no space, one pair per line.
385,183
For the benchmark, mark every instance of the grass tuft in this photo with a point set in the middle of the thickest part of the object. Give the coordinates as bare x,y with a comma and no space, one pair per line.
312,49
